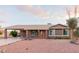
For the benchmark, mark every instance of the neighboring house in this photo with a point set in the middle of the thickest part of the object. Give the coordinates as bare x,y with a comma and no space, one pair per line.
41,31
1,32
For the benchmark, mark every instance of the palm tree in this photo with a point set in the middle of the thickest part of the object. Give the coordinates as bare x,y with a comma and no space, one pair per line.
72,24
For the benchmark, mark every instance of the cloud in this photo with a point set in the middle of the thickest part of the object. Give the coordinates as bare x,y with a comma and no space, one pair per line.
44,14
38,11
4,16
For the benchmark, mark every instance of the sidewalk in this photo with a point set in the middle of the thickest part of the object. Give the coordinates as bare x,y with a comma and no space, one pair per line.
8,41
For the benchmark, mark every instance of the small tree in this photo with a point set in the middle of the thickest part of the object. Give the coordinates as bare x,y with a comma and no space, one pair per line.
13,33
72,24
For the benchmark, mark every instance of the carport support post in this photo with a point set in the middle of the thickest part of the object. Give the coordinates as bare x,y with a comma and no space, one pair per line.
5,33
21,34
38,33
27,33
46,34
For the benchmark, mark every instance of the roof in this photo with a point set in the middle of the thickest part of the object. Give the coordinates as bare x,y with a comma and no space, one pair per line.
58,26
36,27
30,27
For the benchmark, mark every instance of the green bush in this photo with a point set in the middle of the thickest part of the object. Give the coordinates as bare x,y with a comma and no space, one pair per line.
13,33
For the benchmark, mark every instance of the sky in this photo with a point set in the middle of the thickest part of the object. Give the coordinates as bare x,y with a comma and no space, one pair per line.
34,14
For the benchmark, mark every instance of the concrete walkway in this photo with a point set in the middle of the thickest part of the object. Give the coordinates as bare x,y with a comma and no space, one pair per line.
8,41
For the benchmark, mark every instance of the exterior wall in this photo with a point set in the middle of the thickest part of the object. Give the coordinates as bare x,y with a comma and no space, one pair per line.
59,37
42,34
59,34
23,33
42,31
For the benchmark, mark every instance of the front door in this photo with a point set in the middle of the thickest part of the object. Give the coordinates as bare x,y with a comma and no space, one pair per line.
42,34
34,33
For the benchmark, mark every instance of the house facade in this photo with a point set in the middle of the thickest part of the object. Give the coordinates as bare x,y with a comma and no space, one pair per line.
41,31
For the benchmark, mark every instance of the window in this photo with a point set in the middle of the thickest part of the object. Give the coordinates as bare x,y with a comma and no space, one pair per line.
65,32
51,32
58,32
34,33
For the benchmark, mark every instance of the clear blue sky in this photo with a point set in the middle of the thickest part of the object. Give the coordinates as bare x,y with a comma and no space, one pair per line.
12,14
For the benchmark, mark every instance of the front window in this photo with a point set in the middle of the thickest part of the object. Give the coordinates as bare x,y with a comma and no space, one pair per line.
34,33
51,32
58,32
65,32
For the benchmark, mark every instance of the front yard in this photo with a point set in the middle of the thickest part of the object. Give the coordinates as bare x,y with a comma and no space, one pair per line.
41,46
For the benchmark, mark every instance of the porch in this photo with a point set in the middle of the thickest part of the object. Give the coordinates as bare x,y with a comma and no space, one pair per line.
34,34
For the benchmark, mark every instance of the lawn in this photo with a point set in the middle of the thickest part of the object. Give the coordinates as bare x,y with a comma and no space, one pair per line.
41,46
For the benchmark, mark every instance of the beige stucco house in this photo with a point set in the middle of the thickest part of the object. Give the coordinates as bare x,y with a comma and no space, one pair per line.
41,31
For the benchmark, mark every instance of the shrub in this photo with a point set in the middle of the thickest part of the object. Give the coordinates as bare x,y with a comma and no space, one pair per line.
13,33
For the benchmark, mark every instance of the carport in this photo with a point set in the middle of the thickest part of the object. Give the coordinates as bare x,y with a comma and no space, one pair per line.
22,31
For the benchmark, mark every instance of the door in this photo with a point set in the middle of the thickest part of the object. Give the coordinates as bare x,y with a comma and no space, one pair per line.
42,34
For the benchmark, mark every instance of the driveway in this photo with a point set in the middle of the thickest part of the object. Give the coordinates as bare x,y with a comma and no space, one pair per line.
41,46
8,41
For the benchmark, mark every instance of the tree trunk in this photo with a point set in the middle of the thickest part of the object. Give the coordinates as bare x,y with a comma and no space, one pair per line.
72,36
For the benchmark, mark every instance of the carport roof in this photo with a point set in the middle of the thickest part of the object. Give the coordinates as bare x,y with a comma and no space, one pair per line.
30,27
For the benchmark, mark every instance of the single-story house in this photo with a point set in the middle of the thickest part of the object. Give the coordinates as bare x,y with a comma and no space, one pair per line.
41,31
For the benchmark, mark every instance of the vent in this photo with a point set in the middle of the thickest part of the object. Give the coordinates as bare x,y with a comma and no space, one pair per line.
49,24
